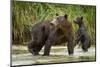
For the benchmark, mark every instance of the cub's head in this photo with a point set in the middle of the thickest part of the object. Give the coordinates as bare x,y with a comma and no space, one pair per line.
79,20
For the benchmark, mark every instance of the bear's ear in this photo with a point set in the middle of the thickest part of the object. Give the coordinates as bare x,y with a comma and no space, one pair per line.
81,17
56,14
66,16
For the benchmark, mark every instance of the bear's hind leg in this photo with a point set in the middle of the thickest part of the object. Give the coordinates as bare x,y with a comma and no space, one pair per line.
34,48
49,42
85,46
70,47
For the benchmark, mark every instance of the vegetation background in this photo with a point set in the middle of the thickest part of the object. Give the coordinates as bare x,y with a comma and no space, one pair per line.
27,14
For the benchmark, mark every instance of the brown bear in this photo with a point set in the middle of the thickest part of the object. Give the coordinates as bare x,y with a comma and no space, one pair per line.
56,31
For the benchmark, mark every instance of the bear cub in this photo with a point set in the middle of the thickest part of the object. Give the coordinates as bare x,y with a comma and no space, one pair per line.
81,34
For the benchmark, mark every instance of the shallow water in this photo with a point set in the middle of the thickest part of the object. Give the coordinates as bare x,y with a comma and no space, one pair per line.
58,54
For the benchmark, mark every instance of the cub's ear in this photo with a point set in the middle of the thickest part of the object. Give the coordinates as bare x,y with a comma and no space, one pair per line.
81,17
66,16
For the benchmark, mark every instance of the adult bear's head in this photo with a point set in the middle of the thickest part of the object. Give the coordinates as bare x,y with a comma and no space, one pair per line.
59,19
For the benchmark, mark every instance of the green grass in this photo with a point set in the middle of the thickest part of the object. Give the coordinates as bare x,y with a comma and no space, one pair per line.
27,14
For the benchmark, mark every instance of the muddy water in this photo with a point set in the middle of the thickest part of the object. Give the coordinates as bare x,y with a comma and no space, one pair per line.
58,54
